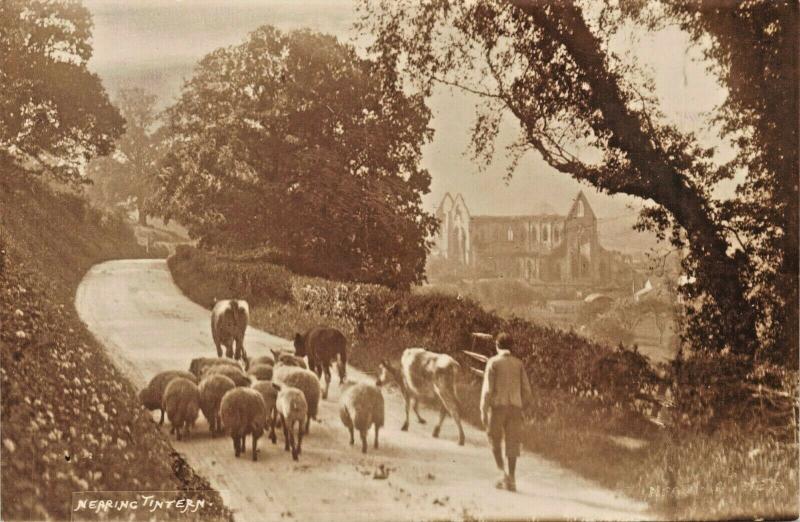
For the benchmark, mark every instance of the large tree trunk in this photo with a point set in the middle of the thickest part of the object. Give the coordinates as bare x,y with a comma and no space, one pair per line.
720,274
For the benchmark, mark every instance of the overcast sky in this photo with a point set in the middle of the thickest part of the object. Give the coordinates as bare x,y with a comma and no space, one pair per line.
154,44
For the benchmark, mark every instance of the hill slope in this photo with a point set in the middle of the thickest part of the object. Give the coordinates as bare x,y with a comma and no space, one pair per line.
71,421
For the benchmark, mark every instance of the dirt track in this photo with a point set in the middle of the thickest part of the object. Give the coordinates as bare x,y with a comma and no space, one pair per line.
135,309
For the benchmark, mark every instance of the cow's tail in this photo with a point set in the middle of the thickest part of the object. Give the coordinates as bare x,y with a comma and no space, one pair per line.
454,369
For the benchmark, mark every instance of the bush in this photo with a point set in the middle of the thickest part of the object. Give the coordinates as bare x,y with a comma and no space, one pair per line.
255,282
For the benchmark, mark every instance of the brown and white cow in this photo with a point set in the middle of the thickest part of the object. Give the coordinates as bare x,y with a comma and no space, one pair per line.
423,373
229,319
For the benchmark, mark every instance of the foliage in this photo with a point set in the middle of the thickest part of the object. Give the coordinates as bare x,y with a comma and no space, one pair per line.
61,233
71,421
548,65
254,282
754,51
129,174
293,142
54,113
609,328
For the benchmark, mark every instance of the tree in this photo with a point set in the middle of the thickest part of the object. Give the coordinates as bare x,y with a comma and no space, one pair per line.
129,174
609,328
54,114
548,65
293,142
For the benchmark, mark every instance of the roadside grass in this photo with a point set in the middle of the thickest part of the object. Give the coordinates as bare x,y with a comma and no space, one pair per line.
725,474
71,422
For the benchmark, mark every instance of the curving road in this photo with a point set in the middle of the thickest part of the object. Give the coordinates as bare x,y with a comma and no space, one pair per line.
148,325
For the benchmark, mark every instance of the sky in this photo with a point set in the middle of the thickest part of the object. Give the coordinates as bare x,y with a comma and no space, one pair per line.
154,44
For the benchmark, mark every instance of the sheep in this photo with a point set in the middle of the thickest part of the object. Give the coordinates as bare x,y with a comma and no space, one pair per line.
263,359
152,395
292,409
243,413
212,389
182,402
289,359
304,380
261,372
235,374
269,392
229,319
361,406
200,365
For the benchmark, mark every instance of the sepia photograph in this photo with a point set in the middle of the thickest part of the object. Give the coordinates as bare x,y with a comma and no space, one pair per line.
399,260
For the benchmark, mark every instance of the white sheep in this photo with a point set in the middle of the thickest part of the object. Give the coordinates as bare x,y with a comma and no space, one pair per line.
243,413
361,406
182,403
304,380
292,410
212,388
152,396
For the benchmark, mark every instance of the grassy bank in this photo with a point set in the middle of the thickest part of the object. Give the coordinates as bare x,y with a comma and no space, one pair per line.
71,421
586,414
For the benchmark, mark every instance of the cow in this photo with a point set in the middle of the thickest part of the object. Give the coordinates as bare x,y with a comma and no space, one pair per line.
229,319
322,345
426,374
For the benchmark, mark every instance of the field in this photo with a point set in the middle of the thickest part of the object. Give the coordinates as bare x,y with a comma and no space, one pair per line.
585,415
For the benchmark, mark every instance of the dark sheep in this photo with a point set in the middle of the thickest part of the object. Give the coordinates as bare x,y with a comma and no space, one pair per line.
243,413
269,392
212,388
182,403
200,365
261,372
152,396
233,373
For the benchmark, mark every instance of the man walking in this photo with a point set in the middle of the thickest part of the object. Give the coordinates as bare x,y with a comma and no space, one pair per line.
505,390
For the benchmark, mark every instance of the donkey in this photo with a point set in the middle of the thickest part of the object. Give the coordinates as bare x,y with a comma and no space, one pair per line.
427,374
322,345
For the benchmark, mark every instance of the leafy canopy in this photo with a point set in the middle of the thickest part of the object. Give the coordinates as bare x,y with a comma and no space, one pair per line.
128,176
54,114
292,142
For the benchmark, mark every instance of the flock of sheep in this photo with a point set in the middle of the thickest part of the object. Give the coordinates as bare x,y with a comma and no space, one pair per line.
272,390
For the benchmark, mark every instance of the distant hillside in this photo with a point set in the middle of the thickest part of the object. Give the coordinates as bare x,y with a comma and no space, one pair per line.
617,233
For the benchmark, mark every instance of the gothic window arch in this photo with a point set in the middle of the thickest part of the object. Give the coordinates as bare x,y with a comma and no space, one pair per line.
546,233
510,234
579,209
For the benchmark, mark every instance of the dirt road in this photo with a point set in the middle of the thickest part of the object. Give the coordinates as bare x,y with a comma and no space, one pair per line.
147,324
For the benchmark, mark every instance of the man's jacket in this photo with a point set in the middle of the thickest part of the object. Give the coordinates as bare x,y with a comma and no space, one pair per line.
505,383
